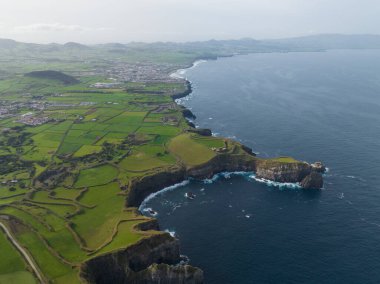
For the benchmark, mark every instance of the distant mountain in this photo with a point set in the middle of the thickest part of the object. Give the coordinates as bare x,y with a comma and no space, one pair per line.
75,45
12,45
330,41
210,48
113,45
8,43
53,75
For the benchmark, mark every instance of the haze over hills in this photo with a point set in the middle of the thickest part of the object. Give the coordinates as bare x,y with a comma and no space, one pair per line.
322,41
332,41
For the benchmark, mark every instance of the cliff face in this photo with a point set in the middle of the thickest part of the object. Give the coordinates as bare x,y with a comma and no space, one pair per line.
309,176
164,273
150,260
188,91
282,172
312,181
139,189
223,163
301,172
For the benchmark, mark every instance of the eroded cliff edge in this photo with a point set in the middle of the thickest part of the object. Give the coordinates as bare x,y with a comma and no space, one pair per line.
151,260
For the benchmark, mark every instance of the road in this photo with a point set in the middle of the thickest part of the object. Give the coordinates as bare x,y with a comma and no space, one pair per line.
23,252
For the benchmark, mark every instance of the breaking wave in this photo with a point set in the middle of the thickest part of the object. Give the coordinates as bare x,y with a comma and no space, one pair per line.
281,185
150,211
226,175
172,233
153,195
180,74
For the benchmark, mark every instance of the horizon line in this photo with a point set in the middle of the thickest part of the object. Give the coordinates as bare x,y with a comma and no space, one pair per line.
192,41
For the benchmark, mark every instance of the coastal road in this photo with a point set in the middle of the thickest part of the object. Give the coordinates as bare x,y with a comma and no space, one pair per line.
23,252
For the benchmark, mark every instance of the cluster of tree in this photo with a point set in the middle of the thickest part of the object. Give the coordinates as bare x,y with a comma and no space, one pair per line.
12,163
18,140
53,176
109,151
15,138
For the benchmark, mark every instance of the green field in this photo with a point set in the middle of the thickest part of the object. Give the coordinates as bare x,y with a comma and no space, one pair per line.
12,265
96,176
190,150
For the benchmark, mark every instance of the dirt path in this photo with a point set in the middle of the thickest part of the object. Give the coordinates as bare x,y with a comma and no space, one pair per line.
23,252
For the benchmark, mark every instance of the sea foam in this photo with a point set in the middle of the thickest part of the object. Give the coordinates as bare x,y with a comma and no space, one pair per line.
226,175
172,233
153,195
180,74
281,185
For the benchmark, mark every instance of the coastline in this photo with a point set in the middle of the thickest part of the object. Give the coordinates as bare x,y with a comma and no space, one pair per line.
155,249
177,74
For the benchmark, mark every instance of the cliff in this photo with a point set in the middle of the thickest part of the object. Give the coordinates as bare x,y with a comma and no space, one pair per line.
164,273
151,260
188,90
140,188
282,172
309,176
274,170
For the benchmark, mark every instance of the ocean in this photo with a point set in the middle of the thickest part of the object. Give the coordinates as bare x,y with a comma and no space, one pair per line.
309,105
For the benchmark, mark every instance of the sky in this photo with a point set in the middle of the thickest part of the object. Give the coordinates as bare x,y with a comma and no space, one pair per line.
101,21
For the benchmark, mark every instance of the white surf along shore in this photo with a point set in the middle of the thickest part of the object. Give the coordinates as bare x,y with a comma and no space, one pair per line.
250,176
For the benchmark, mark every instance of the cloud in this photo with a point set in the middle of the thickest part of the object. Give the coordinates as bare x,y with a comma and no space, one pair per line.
55,27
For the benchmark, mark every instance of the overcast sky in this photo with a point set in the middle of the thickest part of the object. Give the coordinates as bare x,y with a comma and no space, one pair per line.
98,21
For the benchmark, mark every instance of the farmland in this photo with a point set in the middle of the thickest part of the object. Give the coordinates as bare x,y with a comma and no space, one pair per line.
64,181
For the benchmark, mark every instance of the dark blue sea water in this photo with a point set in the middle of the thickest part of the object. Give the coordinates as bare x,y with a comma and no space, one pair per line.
312,106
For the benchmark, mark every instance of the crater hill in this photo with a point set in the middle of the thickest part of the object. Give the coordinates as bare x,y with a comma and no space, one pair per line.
53,75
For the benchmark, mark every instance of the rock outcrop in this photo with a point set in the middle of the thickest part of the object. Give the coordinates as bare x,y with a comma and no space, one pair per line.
169,274
318,167
151,260
149,225
312,181
188,91
282,172
188,113
189,123
201,131
308,175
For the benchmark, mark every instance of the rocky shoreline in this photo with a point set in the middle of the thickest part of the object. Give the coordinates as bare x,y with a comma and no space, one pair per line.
157,259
